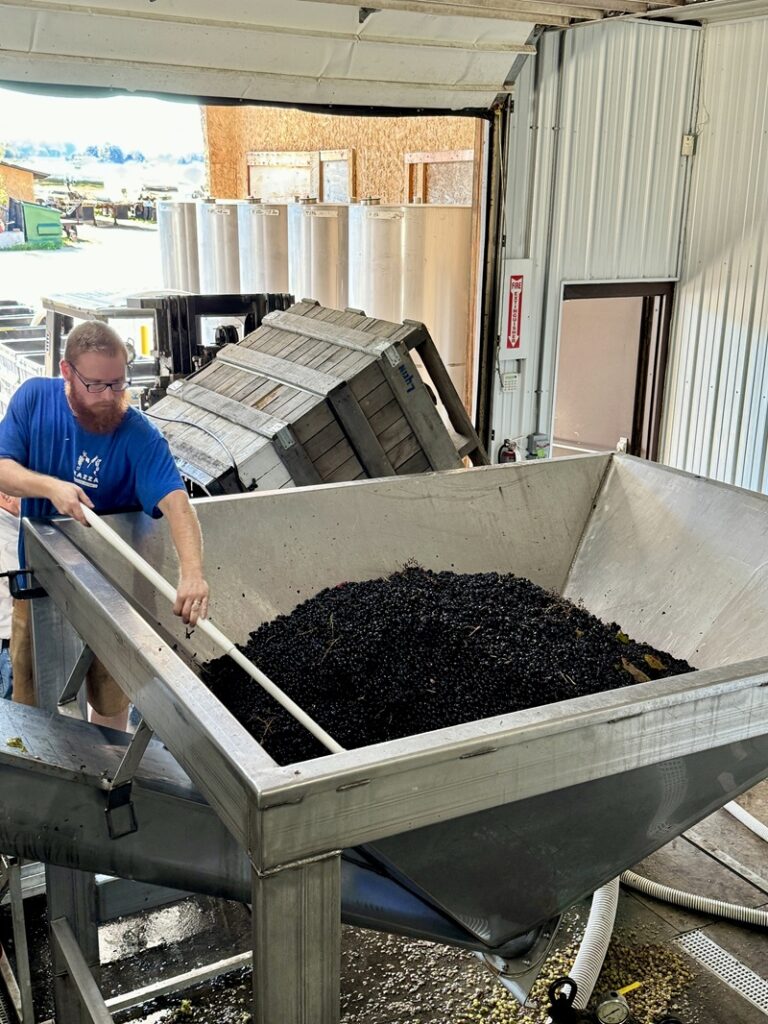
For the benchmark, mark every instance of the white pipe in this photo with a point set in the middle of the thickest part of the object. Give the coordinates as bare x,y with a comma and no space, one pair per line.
207,627
701,904
597,937
752,823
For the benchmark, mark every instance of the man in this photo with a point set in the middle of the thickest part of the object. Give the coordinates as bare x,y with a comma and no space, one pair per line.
72,440
9,536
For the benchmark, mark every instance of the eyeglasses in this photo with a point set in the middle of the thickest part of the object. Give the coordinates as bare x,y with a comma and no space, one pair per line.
95,387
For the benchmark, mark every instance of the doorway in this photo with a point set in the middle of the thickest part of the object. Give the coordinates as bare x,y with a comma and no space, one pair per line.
611,367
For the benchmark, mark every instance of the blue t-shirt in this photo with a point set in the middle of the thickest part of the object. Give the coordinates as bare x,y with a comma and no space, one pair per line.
128,469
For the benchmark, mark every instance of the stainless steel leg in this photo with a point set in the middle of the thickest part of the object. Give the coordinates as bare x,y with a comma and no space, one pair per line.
297,944
56,650
71,894
81,980
72,898
20,940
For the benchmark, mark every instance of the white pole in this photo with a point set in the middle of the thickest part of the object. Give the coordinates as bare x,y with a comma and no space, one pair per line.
207,627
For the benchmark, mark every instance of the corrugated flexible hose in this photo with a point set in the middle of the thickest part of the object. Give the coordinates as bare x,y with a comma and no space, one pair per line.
594,945
701,904
752,823
597,936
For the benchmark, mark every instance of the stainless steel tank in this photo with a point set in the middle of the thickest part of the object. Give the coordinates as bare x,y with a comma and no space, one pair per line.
263,241
218,248
376,260
415,263
318,252
179,262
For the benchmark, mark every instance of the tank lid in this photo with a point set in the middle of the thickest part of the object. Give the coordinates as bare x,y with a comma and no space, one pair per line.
371,201
308,200
254,199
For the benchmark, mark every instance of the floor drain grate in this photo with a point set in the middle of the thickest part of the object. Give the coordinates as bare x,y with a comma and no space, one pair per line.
5,1015
727,968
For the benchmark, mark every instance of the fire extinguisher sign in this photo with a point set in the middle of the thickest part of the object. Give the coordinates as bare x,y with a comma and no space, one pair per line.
515,318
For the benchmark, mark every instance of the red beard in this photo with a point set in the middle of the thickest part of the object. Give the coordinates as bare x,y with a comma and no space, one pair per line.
102,417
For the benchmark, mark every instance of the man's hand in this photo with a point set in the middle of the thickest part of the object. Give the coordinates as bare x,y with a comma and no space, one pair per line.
66,499
192,593
191,599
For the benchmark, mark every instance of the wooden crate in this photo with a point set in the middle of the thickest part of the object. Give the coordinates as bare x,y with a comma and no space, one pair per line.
317,395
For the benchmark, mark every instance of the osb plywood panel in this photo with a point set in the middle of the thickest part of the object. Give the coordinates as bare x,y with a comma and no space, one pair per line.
450,183
18,184
379,143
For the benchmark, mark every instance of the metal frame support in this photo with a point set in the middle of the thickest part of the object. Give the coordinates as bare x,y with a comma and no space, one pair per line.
77,676
81,983
56,648
75,939
133,755
11,870
121,817
297,943
71,894
56,326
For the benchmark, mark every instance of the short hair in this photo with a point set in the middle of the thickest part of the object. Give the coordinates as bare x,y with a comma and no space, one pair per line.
94,336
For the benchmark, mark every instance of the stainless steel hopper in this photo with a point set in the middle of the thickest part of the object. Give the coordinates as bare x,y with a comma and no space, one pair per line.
496,825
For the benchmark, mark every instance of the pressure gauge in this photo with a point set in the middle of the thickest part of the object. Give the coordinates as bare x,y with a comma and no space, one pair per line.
613,1010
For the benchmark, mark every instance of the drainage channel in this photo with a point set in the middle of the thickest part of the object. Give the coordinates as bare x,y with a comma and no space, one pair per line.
727,968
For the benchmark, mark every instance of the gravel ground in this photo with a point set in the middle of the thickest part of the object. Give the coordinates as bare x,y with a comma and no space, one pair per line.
419,650
389,980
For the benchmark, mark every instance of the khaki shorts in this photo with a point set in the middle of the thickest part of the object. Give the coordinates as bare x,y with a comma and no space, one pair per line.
104,695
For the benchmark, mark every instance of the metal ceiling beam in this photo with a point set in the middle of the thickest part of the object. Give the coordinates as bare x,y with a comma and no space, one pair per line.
554,14
624,6
538,11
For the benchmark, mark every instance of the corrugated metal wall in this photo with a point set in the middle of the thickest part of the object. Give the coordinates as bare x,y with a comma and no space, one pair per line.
602,195
716,420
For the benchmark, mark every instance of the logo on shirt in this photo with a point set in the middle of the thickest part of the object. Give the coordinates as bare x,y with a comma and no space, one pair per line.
87,470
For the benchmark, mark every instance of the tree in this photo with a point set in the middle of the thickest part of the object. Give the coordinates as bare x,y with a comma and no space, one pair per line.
112,154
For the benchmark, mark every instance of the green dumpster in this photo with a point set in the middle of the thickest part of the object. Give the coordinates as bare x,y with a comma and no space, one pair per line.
41,223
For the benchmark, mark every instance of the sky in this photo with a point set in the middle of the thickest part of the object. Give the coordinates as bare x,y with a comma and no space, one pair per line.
132,123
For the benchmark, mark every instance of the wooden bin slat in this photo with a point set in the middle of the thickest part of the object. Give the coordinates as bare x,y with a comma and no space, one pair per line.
336,334
420,411
324,440
368,447
252,419
280,370
416,464
403,451
289,450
